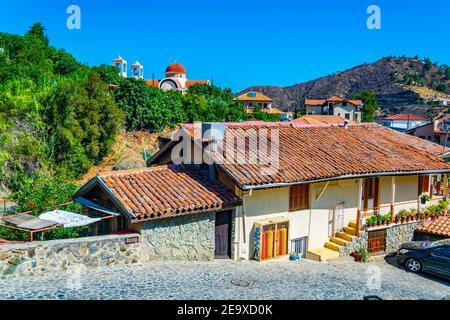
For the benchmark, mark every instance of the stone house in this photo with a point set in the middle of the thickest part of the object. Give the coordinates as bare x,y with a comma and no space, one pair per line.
308,192
328,179
180,214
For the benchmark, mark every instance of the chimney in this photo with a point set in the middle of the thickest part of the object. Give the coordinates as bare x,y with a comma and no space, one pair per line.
345,124
213,133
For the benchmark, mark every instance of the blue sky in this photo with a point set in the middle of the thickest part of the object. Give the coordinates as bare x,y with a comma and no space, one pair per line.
240,43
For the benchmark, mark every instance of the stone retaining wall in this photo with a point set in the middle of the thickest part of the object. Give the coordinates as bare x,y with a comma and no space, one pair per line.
398,234
189,237
58,255
395,235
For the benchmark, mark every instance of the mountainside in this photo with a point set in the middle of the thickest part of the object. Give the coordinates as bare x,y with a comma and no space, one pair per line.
394,81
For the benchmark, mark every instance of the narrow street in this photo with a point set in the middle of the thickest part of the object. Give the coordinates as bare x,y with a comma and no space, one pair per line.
337,279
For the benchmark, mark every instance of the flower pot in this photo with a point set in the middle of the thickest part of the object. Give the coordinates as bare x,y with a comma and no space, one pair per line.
357,257
294,258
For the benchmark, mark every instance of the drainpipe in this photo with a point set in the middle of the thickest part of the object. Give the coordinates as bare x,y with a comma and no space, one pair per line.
243,216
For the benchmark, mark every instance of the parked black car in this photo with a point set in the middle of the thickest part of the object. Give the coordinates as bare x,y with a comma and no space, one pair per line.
427,256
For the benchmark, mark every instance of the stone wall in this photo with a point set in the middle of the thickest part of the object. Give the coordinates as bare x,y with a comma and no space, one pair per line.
189,237
395,235
59,255
355,245
398,234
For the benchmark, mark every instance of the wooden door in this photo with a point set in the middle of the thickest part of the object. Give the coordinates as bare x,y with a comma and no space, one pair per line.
222,248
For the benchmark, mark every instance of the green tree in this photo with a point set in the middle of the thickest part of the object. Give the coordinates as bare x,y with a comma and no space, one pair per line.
37,31
370,107
82,121
164,109
109,74
132,97
442,87
428,64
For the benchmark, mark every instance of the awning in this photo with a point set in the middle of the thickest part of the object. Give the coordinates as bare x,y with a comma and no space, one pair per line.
85,202
68,219
29,222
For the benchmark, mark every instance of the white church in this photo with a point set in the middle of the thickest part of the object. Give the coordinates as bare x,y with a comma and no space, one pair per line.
176,75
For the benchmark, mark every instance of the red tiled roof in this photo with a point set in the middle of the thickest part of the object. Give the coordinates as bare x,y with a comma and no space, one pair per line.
315,102
192,82
440,227
315,152
320,102
402,116
152,83
167,191
321,119
176,68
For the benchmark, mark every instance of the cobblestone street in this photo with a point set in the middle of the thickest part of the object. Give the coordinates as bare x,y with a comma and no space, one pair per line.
338,279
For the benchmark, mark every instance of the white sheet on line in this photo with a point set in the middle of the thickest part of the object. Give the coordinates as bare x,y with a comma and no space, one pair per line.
68,219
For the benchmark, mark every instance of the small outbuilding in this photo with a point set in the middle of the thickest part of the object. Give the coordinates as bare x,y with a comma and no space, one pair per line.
433,230
179,212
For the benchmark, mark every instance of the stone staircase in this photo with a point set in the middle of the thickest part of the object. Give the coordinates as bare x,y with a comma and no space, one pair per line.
331,248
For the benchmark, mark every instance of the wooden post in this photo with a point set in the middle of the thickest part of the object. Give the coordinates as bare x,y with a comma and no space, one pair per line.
445,191
359,200
392,198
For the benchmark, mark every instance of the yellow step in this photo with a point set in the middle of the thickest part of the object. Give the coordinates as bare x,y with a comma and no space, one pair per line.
350,230
352,224
321,254
339,241
333,246
345,236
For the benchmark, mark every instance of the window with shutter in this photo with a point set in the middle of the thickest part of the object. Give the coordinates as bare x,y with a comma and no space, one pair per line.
299,197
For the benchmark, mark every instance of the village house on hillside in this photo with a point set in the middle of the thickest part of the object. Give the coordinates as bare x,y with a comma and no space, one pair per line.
435,131
403,122
329,179
335,106
253,99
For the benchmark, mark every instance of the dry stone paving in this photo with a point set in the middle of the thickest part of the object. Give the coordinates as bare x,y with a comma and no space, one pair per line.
338,279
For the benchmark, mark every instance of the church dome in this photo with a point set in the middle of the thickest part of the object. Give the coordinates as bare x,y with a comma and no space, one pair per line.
176,68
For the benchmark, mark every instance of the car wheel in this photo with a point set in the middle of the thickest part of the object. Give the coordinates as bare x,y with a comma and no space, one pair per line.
413,265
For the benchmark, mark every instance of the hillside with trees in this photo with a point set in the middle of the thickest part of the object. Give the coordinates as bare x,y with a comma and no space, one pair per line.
59,118
396,81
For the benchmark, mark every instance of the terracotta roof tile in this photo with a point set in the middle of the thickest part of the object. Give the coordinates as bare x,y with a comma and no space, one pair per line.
152,83
335,100
321,119
166,191
402,116
440,227
254,96
192,82
314,152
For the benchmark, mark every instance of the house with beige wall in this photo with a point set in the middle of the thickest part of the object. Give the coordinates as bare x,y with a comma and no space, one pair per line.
329,179
335,106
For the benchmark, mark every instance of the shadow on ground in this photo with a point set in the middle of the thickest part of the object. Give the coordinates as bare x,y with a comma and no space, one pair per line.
392,260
